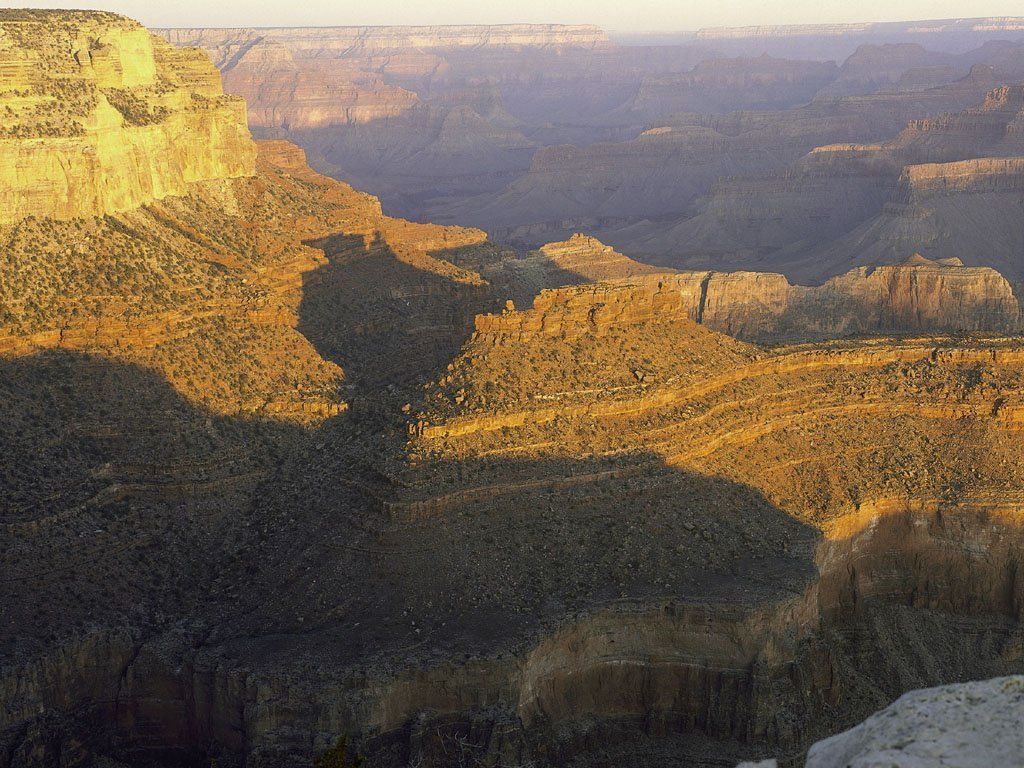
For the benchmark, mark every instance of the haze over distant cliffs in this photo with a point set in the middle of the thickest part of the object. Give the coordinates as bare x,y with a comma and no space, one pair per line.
946,187
653,144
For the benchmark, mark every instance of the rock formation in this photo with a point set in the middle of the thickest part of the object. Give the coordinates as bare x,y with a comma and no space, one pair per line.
831,40
385,39
724,85
127,119
631,192
965,724
534,131
916,296
945,186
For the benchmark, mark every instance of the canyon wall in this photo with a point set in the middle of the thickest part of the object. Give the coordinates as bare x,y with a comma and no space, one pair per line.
632,193
533,131
917,296
103,117
304,79
945,186
989,174
387,39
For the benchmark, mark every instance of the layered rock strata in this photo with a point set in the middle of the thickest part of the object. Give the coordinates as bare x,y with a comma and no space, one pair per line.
945,187
917,296
102,117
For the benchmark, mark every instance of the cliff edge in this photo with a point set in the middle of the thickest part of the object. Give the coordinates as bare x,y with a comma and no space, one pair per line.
100,116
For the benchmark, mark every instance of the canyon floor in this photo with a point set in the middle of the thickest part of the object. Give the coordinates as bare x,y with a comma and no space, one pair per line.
283,469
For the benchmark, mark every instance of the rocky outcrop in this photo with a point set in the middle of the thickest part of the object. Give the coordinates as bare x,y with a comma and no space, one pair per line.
918,296
124,118
303,79
580,259
988,174
633,193
970,723
272,488
825,431
965,208
847,204
291,93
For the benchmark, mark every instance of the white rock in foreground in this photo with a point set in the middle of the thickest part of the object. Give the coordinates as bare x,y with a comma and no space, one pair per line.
969,725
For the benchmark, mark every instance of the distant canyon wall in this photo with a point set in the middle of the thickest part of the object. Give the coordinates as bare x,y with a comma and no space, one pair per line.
308,78
366,39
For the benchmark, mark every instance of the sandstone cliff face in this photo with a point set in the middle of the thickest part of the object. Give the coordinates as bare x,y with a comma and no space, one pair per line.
632,193
918,295
840,436
286,92
988,174
580,259
104,117
273,489
965,208
305,79
386,39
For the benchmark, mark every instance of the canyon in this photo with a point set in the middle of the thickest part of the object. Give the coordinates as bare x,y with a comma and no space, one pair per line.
944,186
284,468
532,133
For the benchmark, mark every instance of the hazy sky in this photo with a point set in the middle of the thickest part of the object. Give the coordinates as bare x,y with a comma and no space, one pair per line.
625,15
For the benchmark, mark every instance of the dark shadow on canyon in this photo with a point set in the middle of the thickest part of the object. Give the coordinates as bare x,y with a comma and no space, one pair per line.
132,536
168,577
189,544
389,324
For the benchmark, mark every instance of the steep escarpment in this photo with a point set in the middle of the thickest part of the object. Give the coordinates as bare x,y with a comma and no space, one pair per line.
918,296
103,117
384,39
301,80
853,440
296,94
173,339
631,192
720,85
940,209
484,125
